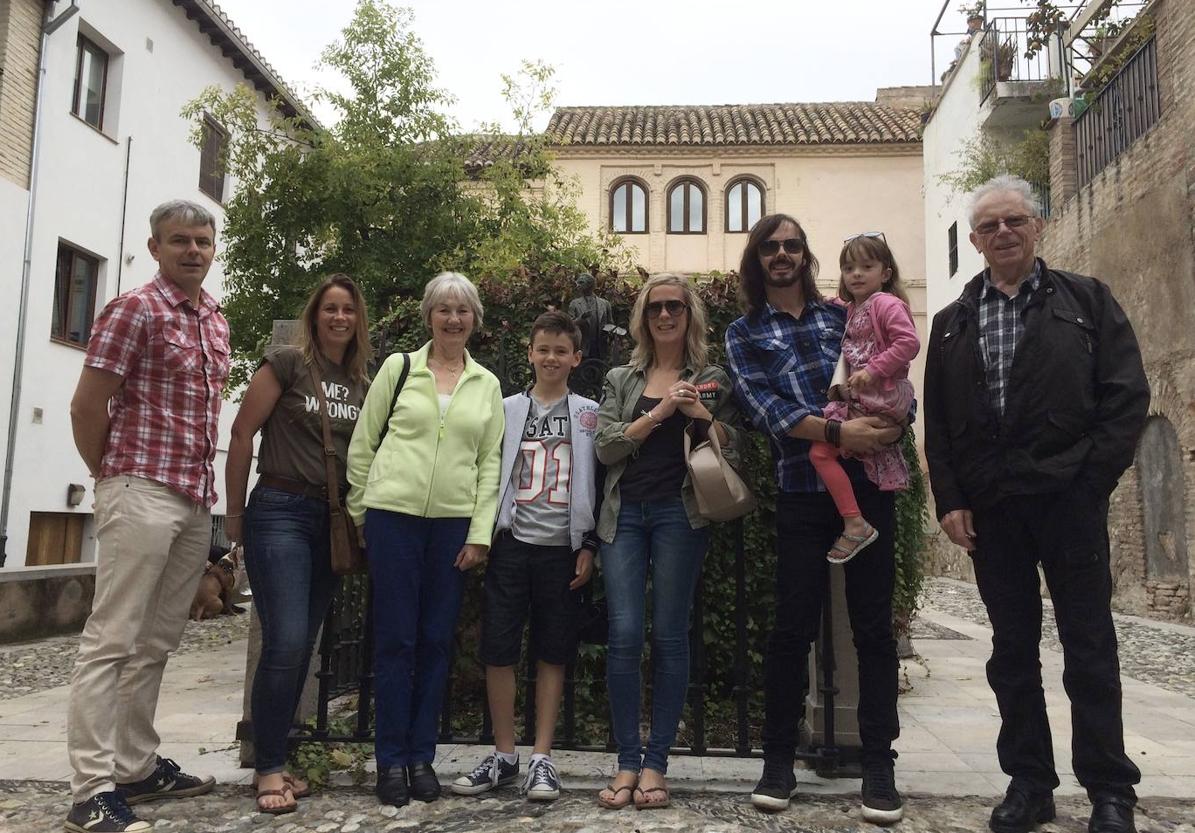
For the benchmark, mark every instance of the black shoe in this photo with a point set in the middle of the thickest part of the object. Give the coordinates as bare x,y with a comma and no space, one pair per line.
882,804
1111,814
424,784
491,773
776,787
167,781
392,786
1021,810
104,813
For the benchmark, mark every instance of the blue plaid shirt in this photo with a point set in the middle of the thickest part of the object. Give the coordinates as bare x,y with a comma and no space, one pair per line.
781,367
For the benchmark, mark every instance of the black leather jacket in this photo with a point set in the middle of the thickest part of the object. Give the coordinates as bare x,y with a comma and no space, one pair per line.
1076,402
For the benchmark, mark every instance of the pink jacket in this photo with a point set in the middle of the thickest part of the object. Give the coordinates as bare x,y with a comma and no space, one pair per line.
896,339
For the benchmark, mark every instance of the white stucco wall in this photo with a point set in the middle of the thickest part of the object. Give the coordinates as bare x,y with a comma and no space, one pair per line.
957,118
80,194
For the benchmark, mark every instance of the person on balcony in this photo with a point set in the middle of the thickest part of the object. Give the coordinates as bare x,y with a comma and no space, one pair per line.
1034,399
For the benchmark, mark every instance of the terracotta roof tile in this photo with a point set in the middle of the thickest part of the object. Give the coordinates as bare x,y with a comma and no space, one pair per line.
836,123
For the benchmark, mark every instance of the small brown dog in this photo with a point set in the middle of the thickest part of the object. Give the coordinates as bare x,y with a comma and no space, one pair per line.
214,595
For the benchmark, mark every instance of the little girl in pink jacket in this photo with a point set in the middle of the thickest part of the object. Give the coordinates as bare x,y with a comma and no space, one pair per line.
879,343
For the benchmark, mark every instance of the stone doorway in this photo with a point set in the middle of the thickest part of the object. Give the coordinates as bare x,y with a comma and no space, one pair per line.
1160,473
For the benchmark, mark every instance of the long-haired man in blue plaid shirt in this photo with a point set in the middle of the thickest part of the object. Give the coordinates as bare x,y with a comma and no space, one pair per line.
782,354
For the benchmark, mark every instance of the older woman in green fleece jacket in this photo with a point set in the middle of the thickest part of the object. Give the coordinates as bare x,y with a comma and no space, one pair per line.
426,495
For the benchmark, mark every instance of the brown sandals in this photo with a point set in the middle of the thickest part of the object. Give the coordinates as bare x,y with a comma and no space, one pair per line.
645,804
616,801
282,809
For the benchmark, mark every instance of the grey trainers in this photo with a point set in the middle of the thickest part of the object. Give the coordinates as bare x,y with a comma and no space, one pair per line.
104,813
490,773
542,782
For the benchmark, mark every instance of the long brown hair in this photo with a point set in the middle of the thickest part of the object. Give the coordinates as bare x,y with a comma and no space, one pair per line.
358,353
643,355
865,247
752,280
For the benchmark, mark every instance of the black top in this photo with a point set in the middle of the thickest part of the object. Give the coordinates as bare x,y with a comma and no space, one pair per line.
658,470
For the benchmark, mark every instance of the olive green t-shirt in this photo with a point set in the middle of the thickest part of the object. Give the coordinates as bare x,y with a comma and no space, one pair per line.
292,443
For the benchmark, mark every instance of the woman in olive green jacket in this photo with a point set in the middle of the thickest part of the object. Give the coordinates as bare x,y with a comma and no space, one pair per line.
649,519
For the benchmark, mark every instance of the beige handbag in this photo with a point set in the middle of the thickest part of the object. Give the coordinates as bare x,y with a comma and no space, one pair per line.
722,495
838,390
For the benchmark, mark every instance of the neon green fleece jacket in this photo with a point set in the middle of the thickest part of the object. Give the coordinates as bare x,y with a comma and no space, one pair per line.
429,466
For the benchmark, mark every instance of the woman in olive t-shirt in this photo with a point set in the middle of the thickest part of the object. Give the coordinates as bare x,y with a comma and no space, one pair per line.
285,525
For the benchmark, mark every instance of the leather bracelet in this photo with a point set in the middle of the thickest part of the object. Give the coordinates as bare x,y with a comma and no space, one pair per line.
235,516
834,432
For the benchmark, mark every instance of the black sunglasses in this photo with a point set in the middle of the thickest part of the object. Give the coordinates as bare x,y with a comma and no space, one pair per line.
674,307
792,246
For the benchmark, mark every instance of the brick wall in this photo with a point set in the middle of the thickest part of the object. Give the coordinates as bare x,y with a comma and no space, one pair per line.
20,39
1133,227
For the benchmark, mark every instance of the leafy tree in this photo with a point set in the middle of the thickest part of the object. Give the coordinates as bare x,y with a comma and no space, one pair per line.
383,194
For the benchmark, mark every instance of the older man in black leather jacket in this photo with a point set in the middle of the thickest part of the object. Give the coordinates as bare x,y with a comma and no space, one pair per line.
1034,399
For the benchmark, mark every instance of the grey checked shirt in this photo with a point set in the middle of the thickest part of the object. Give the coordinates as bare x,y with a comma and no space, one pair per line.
1001,321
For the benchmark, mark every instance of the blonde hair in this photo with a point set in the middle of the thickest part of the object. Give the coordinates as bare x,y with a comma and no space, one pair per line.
358,353
696,348
451,285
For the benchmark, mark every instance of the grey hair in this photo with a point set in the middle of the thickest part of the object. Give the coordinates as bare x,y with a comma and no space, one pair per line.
191,214
451,285
1004,183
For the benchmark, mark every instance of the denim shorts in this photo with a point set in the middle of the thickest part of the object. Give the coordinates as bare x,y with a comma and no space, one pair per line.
522,578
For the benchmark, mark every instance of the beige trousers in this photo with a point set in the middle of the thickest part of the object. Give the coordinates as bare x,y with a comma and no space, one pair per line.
153,543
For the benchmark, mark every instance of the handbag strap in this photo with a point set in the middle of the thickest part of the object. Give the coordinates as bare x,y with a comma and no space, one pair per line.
329,449
402,380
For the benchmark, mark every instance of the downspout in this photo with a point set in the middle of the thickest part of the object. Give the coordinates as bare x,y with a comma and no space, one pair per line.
124,213
48,28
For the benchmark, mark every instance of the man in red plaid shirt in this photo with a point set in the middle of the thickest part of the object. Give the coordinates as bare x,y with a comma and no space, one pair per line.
145,416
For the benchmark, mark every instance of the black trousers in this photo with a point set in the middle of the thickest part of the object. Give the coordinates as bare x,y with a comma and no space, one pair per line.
1067,533
806,525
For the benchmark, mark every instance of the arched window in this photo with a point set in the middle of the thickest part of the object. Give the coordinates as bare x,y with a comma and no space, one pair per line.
628,207
686,207
744,205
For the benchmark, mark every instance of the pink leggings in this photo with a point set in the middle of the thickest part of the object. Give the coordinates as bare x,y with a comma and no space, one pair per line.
825,459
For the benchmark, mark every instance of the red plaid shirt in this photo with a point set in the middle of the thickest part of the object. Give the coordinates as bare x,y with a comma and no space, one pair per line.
174,360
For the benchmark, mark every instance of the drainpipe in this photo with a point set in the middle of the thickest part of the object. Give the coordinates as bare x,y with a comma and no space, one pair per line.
124,212
48,28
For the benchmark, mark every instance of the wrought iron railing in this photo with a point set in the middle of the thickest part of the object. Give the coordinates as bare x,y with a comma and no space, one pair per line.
345,668
1120,114
1002,56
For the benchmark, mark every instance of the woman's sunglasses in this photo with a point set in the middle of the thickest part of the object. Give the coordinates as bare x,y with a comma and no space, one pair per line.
655,308
792,246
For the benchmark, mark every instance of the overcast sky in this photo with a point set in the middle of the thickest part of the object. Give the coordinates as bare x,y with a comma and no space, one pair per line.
618,52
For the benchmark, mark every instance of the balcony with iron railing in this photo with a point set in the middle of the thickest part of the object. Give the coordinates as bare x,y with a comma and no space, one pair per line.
1013,78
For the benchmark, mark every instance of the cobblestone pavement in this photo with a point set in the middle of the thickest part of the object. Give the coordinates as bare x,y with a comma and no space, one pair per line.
28,667
26,807
1152,653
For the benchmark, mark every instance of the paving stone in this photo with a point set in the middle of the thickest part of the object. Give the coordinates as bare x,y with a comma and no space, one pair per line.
31,806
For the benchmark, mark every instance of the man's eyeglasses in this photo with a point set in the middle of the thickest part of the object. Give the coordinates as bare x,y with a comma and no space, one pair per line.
792,246
873,234
992,226
655,308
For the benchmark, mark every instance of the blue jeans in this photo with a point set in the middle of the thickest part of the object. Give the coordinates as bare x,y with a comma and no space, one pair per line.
652,536
290,570
416,597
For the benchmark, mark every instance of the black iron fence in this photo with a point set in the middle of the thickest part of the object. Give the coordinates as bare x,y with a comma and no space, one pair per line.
1002,56
1123,111
345,668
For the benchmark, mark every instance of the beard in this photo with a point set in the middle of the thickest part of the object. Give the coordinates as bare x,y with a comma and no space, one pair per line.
782,280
